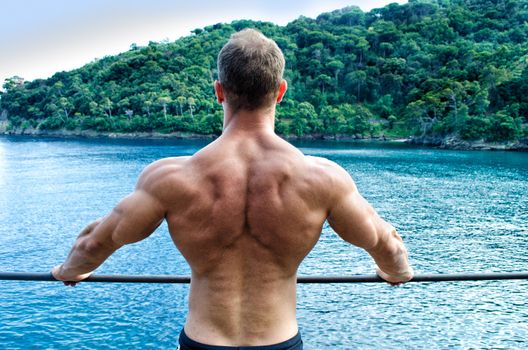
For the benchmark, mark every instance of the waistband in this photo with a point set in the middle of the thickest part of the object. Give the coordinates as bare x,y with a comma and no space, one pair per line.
187,343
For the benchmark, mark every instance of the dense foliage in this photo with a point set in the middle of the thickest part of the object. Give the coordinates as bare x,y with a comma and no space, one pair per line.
444,67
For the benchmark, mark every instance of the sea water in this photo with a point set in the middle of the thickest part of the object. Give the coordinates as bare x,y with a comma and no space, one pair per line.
457,212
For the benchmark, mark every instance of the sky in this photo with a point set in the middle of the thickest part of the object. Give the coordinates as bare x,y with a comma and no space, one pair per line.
41,37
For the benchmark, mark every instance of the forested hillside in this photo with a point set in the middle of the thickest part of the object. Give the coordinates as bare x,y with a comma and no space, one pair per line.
442,68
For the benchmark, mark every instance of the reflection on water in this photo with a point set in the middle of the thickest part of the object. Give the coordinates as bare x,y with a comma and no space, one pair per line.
457,211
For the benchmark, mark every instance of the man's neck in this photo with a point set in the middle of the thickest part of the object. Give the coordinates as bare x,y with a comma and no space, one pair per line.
260,121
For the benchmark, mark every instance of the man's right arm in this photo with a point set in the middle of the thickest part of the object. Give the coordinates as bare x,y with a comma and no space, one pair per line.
134,218
356,221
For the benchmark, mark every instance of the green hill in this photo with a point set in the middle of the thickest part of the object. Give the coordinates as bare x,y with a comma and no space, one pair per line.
427,68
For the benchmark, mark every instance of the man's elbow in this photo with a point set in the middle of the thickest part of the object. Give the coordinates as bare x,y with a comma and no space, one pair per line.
395,246
92,247
90,228
389,246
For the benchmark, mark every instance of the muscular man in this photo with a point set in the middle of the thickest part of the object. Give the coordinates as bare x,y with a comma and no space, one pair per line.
244,212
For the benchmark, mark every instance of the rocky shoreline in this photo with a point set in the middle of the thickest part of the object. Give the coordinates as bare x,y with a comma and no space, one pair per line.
101,134
450,142
455,143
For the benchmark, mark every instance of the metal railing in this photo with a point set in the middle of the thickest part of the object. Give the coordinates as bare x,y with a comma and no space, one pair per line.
47,277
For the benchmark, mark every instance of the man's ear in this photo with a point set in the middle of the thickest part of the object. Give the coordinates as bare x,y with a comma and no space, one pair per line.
219,92
282,90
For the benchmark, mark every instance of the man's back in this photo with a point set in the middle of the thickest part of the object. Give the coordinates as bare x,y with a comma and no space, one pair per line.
253,208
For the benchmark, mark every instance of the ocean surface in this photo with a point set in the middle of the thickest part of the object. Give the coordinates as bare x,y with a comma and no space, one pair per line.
457,212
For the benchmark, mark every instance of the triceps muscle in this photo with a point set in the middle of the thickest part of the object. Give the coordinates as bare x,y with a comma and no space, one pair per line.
354,219
136,217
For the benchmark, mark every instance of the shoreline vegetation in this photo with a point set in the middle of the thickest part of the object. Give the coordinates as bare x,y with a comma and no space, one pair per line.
452,143
443,73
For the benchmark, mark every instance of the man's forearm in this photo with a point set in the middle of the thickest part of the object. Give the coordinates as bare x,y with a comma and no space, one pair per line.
87,254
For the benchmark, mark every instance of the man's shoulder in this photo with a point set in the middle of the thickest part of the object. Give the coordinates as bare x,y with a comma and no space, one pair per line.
325,165
169,161
334,176
320,161
160,172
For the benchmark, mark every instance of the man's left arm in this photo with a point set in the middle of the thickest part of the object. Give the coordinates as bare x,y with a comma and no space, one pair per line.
134,218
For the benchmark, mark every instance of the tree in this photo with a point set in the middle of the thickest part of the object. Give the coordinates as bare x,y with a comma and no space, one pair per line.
181,102
212,123
299,125
481,102
13,83
456,94
107,104
356,79
384,106
322,81
362,46
416,116
66,107
477,127
336,67
147,105
306,111
504,127
357,119
164,100
333,120
124,106
192,103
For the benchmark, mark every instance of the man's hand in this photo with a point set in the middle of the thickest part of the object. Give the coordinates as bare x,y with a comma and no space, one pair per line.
395,280
68,280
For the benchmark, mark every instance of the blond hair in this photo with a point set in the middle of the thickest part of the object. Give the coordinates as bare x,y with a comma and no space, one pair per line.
250,69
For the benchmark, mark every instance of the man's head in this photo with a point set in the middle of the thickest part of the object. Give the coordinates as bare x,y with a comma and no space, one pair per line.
250,69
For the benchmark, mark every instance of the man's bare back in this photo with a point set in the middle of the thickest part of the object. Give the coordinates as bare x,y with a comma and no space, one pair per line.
244,212
252,212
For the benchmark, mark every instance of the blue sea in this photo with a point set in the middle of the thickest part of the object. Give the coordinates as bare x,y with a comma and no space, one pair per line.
457,212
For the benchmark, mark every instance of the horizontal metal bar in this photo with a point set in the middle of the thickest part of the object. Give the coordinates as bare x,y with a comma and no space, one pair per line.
30,276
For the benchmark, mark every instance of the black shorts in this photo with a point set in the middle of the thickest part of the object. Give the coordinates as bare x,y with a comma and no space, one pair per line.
187,343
